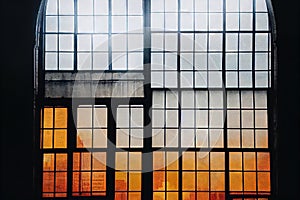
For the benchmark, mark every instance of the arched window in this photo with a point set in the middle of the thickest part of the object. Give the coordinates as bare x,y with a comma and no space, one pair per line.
155,99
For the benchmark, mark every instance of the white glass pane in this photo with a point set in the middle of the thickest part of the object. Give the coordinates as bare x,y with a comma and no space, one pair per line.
157,6
216,138
85,7
123,117
187,79
245,61
246,6
201,79
158,99
51,42
201,138
261,119
200,42
231,42
135,42
170,79
215,79
119,24
157,79
247,119
261,42
100,117
135,61
171,21
202,118
156,61
118,7
157,22
137,116
84,43
261,99
51,24
201,99
232,5
84,61
245,42
157,42
231,79
232,22
85,24
262,22
135,7
135,24
171,42
216,99
233,99
247,99
100,61
201,22
66,7
201,5
187,118
136,138
122,139
187,6
158,118
215,61
186,61
171,6
101,7
261,6
171,118
66,42
215,5
261,79
216,22
187,42
187,21
216,119
101,24
172,138
246,20
100,138
158,137
171,99
215,42
187,99
200,61
245,79
66,24
84,117
119,61
170,61
261,61
187,138
51,61
100,42
66,61
51,7
231,61
119,42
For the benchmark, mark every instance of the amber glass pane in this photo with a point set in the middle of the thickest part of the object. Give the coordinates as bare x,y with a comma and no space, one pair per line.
158,181
158,160
235,161
264,181
188,181
203,181
60,118
158,196
84,138
188,159
60,138
135,161
249,161
121,161
85,161
217,181
236,181
48,164
48,117
172,161
172,180
263,161
134,196
135,180
48,195
121,195
217,196
100,138
85,182
75,184
98,181
99,161
203,195
61,162
202,160
48,182
121,181
189,195
217,161
61,182
47,139
76,161
249,181
172,195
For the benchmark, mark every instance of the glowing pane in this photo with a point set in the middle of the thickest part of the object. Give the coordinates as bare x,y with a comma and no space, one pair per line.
172,180
188,181
263,161
172,161
188,162
61,162
217,181
235,161
203,181
135,181
60,138
61,182
249,161
158,181
121,181
47,139
98,181
121,161
235,181
217,161
99,161
250,181
264,181
48,117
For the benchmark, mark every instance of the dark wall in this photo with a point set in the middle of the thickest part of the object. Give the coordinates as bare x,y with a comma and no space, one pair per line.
18,17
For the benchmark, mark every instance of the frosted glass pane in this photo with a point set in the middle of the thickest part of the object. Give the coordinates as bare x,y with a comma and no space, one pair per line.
215,42
122,139
247,119
119,61
171,79
135,42
215,79
216,119
216,99
135,24
101,7
200,61
202,118
101,24
246,21
66,61
171,6
231,79
123,117
231,61
156,21
100,42
215,61
158,99
119,24
84,43
51,61
245,79
171,99
215,5
187,79
119,42
85,7
66,24
156,61
84,117
245,42
186,61
233,119
118,7
85,24
51,24
137,116
100,61
135,61
247,99
201,5
66,7
261,61
51,7
157,6
232,21
66,43
261,79
262,22
158,118
157,79
171,118
261,6
187,21
187,6
84,61
201,21
171,21
245,61
170,61
187,118
261,42
216,22
187,138
246,6
187,42
135,7
231,42
187,99
51,42
232,5
261,99
233,100
201,79
157,42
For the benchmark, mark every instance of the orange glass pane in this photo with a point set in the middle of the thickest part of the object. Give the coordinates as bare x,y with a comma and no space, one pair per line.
100,138
158,181
85,161
158,160
121,161
98,181
261,139
263,161
47,139
99,161
217,196
85,182
172,161
203,195
121,181
249,161
48,118
189,195
235,181
121,196
172,195
134,196
217,161
48,162
60,194
188,181
84,138
159,196
48,182
60,138
60,118
135,161
135,181
48,195
172,181
61,162
235,161
264,182
75,184
61,182
249,181
202,160
202,181
217,181
188,161
76,161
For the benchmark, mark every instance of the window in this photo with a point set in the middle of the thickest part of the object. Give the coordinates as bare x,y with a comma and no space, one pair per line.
156,99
